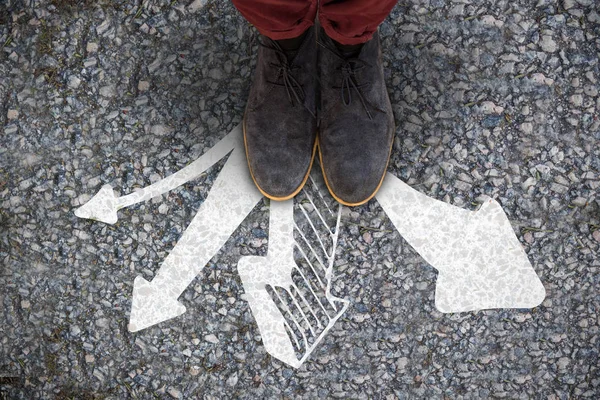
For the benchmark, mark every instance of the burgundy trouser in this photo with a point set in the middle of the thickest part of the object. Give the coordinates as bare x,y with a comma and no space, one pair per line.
345,21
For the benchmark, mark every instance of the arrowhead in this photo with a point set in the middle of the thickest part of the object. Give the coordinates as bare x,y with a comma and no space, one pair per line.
102,207
151,305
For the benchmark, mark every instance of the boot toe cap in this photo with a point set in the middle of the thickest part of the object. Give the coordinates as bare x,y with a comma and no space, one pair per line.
351,184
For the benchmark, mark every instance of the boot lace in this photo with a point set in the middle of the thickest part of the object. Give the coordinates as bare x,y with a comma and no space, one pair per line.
285,75
348,69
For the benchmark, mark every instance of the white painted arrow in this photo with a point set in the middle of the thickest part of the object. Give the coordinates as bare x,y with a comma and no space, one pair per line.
104,205
232,197
292,329
481,262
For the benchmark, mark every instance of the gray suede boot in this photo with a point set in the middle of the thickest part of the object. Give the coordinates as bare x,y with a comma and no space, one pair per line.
280,123
356,124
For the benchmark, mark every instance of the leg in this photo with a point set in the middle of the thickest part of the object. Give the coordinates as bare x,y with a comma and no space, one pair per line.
357,128
353,21
278,19
280,125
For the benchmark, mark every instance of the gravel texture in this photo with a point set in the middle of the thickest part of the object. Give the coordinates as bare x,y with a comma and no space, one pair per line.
490,97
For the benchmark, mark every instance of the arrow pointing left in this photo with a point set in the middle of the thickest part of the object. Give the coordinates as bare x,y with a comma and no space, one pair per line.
231,198
104,205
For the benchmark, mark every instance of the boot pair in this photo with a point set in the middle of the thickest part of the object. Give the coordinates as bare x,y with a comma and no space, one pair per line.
318,86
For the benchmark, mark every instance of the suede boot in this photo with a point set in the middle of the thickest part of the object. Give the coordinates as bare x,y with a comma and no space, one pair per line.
280,119
356,123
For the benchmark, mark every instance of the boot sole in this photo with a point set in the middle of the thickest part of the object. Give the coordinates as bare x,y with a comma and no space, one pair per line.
339,200
261,190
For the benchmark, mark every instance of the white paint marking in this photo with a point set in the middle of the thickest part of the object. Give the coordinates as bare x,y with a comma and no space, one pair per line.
276,270
104,205
481,262
230,200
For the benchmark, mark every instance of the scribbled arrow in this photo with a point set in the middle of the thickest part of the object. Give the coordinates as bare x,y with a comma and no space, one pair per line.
481,262
290,298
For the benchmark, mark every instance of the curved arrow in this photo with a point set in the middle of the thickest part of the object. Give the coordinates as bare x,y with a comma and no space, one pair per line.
104,205
481,262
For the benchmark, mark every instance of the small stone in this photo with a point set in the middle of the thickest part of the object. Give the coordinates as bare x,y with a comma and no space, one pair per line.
489,20
143,86
488,107
531,181
196,5
526,127
563,362
159,130
541,79
92,47
102,323
216,73
580,201
596,235
194,370
89,358
175,393
457,10
108,91
211,339
12,114
74,82
25,304
590,90
528,237
548,44
103,27
492,121
232,380
576,100
558,188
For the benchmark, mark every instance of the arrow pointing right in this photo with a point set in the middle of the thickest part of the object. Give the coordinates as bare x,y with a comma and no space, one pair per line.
480,261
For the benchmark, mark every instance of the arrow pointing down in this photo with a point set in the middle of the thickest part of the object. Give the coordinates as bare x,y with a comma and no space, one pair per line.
230,200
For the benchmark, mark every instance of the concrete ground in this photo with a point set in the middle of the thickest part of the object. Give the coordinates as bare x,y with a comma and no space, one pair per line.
497,98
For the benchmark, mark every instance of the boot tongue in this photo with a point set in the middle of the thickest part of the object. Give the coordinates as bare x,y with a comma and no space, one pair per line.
349,50
291,46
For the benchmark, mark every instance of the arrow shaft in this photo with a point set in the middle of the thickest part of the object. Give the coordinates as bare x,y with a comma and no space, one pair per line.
186,174
421,220
230,200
